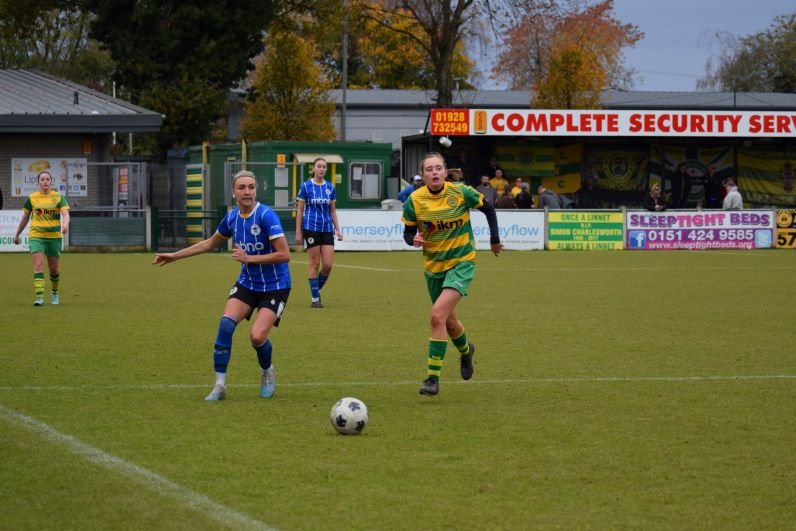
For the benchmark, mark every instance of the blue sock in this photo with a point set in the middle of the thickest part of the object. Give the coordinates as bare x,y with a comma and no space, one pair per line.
264,354
322,280
315,290
223,346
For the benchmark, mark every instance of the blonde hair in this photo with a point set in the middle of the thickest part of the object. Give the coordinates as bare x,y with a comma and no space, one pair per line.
243,173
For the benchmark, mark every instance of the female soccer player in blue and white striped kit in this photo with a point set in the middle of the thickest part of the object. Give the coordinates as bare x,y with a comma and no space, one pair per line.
264,281
316,227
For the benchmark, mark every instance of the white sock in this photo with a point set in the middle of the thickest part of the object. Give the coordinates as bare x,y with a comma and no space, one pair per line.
221,378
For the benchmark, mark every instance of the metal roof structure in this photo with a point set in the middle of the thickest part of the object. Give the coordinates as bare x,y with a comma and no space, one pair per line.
611,99
702,101
34,102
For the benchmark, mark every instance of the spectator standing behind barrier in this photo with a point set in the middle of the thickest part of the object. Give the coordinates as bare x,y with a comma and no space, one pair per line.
468,167
653,200
712,189
492,167
506,200
517,188
417,182
733,199
523,199
499,182
489,193
681,186
548,198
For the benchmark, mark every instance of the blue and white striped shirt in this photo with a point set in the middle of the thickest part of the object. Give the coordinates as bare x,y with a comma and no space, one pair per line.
318,200
254,233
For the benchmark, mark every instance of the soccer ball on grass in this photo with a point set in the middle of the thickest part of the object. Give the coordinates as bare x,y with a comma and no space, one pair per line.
349,416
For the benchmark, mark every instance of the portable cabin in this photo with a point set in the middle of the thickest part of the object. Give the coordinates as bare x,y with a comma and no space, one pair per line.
359,170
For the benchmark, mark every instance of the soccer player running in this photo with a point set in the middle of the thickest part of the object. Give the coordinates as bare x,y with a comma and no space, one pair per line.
264,281
441,210
48,213
316,227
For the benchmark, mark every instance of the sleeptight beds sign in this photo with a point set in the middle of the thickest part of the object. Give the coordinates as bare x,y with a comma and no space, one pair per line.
584,231
747,229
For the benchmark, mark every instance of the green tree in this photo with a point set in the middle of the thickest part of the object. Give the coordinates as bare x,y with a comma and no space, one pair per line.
289,99
762,62
181,57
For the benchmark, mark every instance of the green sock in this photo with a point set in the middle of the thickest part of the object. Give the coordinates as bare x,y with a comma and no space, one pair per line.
436,356
461,343
38,284
54,281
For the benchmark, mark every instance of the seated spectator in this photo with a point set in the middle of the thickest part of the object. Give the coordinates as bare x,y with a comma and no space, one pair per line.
506,200
733,199
523,199
499,182
653,200
417,182
489,193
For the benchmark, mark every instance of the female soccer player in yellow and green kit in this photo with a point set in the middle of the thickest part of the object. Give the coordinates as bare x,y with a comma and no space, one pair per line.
48,213
441,212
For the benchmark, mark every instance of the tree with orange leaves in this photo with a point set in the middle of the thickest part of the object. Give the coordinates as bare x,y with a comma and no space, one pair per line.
566,51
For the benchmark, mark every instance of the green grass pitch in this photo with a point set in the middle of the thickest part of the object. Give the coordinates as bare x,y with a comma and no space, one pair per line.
612,390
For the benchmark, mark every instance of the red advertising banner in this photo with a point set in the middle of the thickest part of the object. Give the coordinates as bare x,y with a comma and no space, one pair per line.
536,122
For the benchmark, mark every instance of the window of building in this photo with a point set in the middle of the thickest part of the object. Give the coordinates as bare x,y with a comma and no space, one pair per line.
365,179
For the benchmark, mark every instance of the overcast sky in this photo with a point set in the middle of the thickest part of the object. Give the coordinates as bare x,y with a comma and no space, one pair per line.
680,35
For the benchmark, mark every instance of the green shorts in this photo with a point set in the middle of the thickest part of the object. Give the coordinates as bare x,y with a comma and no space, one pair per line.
458,277
48,246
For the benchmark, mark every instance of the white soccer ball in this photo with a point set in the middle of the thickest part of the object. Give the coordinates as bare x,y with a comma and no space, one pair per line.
349,416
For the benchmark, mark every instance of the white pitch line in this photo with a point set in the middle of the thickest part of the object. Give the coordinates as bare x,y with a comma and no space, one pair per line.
598,379
357,267
159,484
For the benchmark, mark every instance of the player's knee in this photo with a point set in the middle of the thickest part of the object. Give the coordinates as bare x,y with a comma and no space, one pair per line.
258,337
454,327
438,318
